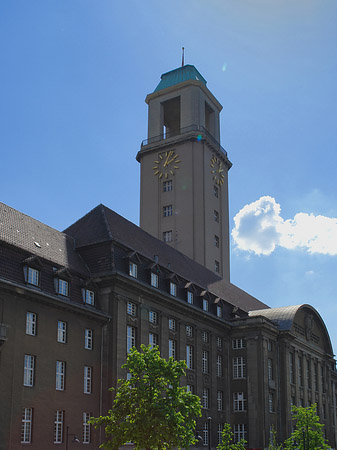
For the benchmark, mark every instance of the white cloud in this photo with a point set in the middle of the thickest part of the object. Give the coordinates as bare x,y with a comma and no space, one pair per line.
259,228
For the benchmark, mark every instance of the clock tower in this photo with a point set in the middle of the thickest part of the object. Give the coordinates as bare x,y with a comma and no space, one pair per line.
184,170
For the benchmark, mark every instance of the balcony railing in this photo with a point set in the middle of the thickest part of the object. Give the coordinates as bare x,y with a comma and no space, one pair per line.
198,129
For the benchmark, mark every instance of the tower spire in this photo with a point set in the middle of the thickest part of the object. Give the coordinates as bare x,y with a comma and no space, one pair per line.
182,58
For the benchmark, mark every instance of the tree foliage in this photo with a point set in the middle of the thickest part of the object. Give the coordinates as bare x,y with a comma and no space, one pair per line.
150,408
308,433
228,441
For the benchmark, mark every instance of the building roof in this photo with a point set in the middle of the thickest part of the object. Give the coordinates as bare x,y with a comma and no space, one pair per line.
102,224
179,75
283,316
36,238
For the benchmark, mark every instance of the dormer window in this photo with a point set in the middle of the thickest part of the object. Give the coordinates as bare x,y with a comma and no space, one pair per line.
133,270
219,311
173,289
33,276
63,287
205,304
89,297
190,297
154,280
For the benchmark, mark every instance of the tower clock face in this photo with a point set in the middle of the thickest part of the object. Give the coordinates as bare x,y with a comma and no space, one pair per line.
167,164
217,171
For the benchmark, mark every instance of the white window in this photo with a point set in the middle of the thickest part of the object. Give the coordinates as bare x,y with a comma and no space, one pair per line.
271,402
172,348
89,297
87,380
167,211
60,375
189,330
86,428
131,338
205,433
88,338
28,371
63,287
219,311
238,344
153,340
190,388
219,400
216,191
173,289
26,425
190,297
216,266
189,356
239,402
216,216
219,342
216,241
33,276
153,317
131,309
220,428
133,270
205,304
205,337
204,361
167,186
270,369
239,367
31,323
172,324
154,280
167,236
61,332
58,427
240,431
219,365
205,398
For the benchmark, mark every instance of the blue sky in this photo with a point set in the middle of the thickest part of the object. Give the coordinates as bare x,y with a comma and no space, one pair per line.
73,78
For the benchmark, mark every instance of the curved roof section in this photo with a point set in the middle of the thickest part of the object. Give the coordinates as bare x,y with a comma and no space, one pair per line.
179,75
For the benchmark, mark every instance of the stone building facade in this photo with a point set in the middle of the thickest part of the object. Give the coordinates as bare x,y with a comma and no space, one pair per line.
72,303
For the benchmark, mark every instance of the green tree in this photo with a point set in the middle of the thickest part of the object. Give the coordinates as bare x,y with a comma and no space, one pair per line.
273,444
308,433
228,442
150,408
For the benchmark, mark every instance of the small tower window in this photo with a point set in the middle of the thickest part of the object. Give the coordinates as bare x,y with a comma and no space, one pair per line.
171,117
167,186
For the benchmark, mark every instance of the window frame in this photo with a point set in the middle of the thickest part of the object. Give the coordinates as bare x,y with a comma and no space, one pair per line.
173,289
31,323
87,380
172,324
239,402
131,309
205,362
239,367
86,428
133,270
88,338
58,426
63,287
61,332
33,276
26,425
154,280
89,297
60,375
189,357
190,298
205,398
167,186
167,211
29,370
153,317
130,338
173,348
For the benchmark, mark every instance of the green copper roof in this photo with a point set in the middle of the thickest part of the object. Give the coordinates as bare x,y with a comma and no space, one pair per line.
179,75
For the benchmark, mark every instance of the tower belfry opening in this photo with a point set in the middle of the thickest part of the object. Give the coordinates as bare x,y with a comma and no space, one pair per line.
171,117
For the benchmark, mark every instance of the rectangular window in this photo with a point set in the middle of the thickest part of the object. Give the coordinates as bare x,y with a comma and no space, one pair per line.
190,297
205,304
216,241
316,378
300,371
219,365
58,427
167,236
60,375
239,402
31,324
270,369
131,338
86,428
205,433
219,342
61,332
205,398
190,388
131,309
240,432
189,356
308,374
133,270
89,297
219,400
87,381
205,361
28,371
189,331
153,340
239,367
238,344
217,266
154,280
152,317
205,337
216,216
167,211
216,191
271,402
33,276
172,348
269,345
173,289
172,324
63,287
291,368
167,186
26,425
219,311
220,428
88,339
